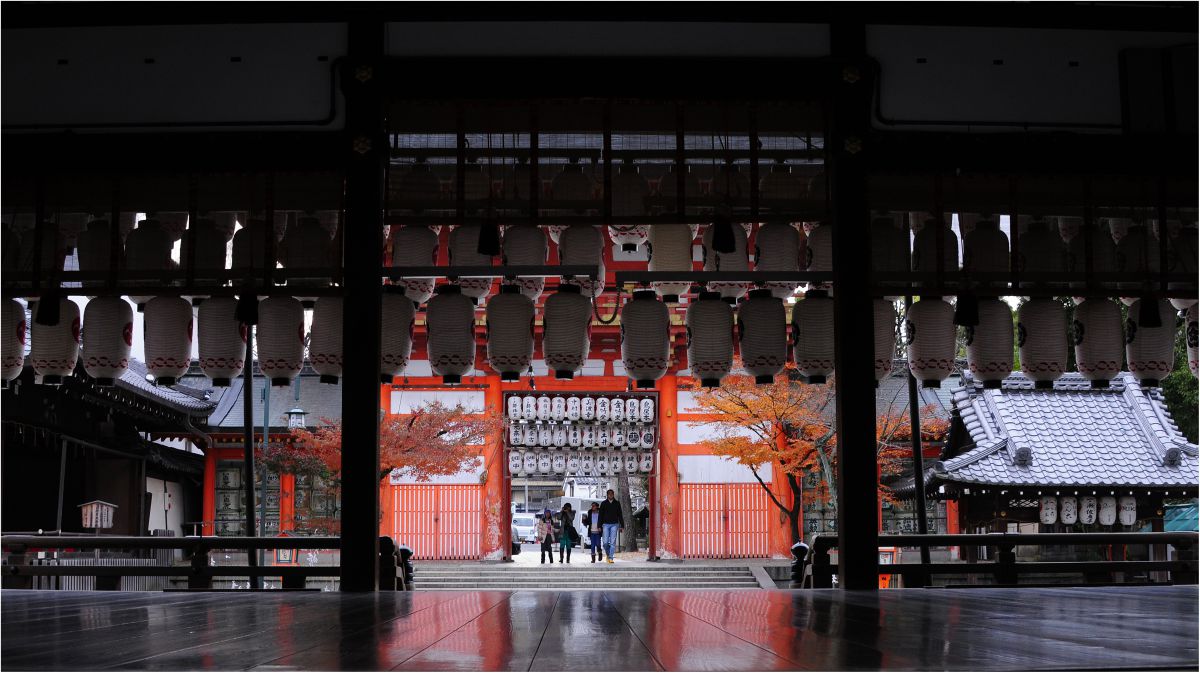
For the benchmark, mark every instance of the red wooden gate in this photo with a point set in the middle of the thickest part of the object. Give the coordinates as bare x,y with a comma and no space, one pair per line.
439,521
724,520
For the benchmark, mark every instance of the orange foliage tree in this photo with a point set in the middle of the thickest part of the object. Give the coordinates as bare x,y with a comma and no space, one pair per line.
791,426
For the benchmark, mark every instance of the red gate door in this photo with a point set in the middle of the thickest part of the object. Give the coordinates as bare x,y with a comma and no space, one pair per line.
439,521
724,520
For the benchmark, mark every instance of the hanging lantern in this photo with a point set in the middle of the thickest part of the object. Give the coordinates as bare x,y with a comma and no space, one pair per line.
222,340
990,343
646,407
514,462
1068,510
415,188
1136,253
559,436
414,245
616,435
633,438
1099,341
737,260
587,463
885,337
589,437
545,463
1041,339
529,407
631,463
147,248
1127,510
280,339
554,231
600,465
307,245
248,245
325,341
985,249
94,246
1150,351
889,247
632,409
525,245
529,461
558,408
566,331
645,339
1048,513
544,407
812,336
545,437
818,252
509,320
515,434
583,245
777,248
1192,336
477,186
1087,510
450,322
573,463
629,193
464,251
396,340
559,463
573,405
670,247
513,404
1108,511
646,464
168,339
616,410
587,409
55,348
668,189
648,437
930,333
210,249
574,437
602,409
1104,252
1182,250
530,437
54,245
762,333
731,185
924,252
710,339
781,184
614,463
603,438
1041,251
12,360
572,184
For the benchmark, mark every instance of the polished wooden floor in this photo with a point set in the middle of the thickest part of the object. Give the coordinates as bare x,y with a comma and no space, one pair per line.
924,629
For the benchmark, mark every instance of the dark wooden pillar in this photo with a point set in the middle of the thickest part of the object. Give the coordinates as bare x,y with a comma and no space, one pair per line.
847,151
367,150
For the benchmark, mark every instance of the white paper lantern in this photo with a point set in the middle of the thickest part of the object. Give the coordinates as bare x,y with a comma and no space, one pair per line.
248,246
587,408
602,409
645,338
573,463
1108,510
554,231
544,407
147,248
985,249
510,321
1136,253
668,189
1127,510
587,463
280,339
726,261
545,463
818,252
1041,340
1099,340
583,245
514,462
889,247
573,408
615,463
670,247
222,340
1183,250
631,463
325,339
1088,507
600,464
530,437
1150,351
414,245
94,247
558,408
777,248
781,184
633,438
529,408
574,437
646,408
1068,509
924,253
464,251
210,250
762,334
566,331
12,360
396,340
1041,251
55,348
603,438
307,245
929,330
633,410
529,461
525,245
589,437
450,322
647,437
559,463
616,409
646,464
1192,336
812,336
168,338
108,336
545,436
1048,513
515,434
559,436
616,435
885,336
1104,251
990,343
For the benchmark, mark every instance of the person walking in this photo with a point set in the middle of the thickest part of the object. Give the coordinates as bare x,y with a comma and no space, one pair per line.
546,535
566,539
612,522
591,522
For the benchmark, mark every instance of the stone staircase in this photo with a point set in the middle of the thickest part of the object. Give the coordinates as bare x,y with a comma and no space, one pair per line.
434,577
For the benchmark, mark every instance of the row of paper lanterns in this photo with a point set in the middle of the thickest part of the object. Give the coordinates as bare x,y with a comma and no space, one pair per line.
521,463
579,407
582,436
1088,509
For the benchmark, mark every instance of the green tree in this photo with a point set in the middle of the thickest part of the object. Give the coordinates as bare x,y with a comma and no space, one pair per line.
1179,390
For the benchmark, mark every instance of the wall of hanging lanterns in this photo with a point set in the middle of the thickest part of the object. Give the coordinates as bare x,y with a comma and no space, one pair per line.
581,433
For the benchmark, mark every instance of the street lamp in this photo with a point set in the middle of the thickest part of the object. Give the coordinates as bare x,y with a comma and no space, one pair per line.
296,418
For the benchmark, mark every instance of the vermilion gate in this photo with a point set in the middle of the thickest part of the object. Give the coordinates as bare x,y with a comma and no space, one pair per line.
724,520
439,521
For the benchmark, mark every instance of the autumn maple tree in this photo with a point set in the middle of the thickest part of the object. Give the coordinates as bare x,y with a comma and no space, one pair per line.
790,426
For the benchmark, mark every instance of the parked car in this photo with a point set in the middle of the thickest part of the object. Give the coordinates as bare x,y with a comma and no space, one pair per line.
524,528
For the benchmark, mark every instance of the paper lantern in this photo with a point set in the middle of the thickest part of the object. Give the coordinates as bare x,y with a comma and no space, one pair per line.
545,436
544,408
1048,512
985,249
554,231
513,406
416,187
1104,251
726,261
812,336
818,252
1136,253
781,184
603,438
545,463
222,340
884,322
1068,510
573,408
464,251
632,409
477,186
589,437
515,433
94,248
168,338
762,334
601,463
529,461
602,409
1127,510
12,359
1087,510
616,409
1108,511
559,439
210,250
559,463
587,408
307,245
629,236
55,348
529,408
1192,336
587,463
54,246
648,437
396,339
1150,351
616,435
710,339
670,247
631,463
414,245
629,193
1183,250
558,408
148,248
668,189
325,341
572,184
574,437
248,246
646,464
1041,251
924,253
583,245
646,407
450,322
530,437
514,462
1041,340
889,247
510,319
929,330
777,248
990,343
1099,340
566,331
731,184
525,245
645,339
280,339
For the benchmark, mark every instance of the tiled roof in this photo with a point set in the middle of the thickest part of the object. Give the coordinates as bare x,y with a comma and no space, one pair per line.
1072,435
182,397
319,400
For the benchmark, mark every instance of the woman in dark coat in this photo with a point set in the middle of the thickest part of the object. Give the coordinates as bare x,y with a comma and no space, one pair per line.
547,535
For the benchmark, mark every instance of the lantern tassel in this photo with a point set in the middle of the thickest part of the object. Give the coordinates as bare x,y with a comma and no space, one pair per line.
489,239
723,240
48,307
966,310
1148,315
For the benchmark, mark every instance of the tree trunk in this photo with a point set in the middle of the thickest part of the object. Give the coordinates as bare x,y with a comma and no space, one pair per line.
628,541
797,509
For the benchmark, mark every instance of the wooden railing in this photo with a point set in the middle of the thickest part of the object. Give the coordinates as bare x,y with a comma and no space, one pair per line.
1005,569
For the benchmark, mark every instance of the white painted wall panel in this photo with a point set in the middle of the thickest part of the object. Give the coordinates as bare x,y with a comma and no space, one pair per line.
718,470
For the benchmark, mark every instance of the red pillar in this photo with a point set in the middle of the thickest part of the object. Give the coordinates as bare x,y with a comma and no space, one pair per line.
496,526
666,515
287,502
210,492
779,532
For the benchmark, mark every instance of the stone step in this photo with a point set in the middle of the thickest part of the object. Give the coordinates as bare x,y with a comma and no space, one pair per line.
577,586
577,567
585,578
608,572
